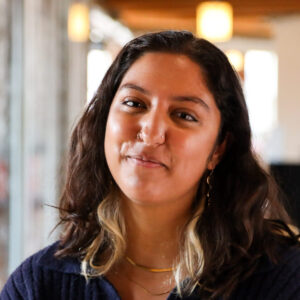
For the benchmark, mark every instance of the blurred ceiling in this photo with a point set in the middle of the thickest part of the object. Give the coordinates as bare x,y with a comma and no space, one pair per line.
252,18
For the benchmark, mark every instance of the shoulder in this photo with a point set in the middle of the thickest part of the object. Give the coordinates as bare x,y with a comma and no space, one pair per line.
280,281
34,269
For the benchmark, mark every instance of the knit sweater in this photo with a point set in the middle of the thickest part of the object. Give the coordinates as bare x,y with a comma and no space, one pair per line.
42,276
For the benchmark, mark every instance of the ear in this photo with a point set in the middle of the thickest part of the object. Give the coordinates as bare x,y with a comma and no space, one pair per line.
217,154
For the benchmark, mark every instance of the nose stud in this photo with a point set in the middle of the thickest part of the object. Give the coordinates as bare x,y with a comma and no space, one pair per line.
139,136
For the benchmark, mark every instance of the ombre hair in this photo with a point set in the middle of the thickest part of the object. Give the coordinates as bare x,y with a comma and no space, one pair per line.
222,244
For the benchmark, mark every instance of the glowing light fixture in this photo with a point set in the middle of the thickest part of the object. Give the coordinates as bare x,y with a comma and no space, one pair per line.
78,22
214,20
236,59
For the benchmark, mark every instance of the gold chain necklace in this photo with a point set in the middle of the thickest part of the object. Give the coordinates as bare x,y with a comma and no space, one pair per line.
143,288
148,269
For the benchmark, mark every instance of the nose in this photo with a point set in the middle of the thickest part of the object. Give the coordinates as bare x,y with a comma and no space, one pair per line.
153,127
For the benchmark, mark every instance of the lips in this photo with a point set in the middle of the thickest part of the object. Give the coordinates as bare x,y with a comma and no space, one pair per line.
146,160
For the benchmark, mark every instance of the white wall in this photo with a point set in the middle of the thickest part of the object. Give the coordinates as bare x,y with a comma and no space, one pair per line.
287,46
284,141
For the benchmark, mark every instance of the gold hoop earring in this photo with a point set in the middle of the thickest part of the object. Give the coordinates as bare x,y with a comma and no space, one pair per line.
209,188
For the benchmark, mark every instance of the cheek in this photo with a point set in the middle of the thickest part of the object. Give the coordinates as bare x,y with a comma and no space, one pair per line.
192,153
118,131
113,131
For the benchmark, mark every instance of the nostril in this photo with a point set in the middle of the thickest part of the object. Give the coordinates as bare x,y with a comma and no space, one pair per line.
151,138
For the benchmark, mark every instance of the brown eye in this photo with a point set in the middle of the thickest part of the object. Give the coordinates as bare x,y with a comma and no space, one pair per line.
186,117
133,104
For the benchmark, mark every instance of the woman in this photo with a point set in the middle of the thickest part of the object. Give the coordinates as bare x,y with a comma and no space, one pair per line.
163,189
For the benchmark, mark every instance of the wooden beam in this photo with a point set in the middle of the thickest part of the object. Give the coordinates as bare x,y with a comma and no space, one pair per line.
250,17
251,26
241,7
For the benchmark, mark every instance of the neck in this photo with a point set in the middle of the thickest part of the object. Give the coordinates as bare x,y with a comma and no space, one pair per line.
153,232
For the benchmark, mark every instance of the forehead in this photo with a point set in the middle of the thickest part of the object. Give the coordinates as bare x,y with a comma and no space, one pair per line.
164,62
155,66
168,74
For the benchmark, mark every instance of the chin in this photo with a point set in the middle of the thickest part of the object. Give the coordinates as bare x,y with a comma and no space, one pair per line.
142,197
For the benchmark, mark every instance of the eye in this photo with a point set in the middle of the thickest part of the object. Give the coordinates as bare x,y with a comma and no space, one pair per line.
133,103
186,116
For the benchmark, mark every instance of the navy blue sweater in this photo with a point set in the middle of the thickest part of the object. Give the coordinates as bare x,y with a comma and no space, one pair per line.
42,276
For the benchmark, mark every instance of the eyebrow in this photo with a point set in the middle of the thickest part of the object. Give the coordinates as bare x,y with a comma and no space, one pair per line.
134,87
193,99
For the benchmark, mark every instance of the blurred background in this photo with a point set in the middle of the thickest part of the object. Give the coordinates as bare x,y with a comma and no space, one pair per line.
53,55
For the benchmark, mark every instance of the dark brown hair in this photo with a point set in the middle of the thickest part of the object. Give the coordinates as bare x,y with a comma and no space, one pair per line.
245,219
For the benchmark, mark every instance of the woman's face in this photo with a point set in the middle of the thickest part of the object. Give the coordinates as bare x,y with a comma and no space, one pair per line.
162,129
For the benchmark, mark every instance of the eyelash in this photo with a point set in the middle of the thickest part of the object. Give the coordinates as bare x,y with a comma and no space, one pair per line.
134,102
137,104
192,118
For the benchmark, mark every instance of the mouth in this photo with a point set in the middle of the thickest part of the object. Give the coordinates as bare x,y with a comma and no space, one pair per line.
145,161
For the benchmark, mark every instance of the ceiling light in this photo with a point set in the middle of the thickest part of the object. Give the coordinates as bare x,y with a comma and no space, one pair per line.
236,59
214,20
78,22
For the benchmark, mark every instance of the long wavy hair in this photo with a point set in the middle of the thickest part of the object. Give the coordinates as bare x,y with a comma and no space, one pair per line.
221,245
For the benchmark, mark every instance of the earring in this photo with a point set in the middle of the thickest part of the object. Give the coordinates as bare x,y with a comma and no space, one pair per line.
209,188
